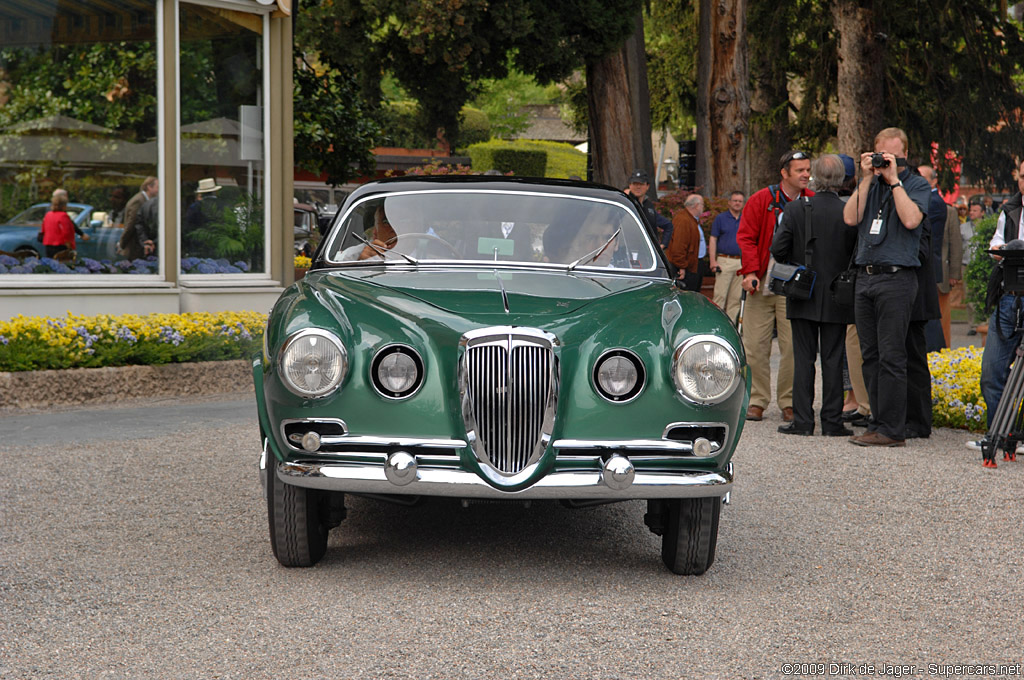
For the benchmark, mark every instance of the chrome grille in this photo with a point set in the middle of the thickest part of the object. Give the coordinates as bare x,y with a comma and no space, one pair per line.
509,382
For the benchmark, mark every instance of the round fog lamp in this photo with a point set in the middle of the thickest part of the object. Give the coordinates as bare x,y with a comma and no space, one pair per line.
618,375
397,371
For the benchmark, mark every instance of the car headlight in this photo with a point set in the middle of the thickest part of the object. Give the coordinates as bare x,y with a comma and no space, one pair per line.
619,375
313,363
705,369
396,372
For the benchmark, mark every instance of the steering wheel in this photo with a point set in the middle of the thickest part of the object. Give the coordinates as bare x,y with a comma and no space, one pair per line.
432,237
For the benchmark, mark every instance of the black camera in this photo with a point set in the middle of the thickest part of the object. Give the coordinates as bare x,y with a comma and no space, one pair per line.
878,161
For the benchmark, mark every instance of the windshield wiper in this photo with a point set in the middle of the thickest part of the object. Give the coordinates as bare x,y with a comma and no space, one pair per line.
384,253
594,254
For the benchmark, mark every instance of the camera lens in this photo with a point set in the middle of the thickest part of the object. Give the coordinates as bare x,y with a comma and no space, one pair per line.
878,161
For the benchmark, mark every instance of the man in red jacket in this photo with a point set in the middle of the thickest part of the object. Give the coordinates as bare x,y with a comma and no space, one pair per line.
764,312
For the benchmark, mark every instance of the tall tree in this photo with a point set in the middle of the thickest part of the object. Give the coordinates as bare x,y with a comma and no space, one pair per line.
722,96
861,84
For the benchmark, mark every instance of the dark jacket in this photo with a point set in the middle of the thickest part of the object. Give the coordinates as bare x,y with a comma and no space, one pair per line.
926,304
831,243
936,219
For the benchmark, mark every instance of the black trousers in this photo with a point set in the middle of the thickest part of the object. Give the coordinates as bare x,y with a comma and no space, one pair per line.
808,338
882,308
919,380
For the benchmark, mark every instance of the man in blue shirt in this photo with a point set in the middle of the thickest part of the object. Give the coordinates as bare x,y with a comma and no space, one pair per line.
724,256
887,209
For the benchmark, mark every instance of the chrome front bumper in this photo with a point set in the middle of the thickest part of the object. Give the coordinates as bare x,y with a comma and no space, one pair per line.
432,481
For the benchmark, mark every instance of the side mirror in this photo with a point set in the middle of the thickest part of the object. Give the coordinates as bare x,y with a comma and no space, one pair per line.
96,224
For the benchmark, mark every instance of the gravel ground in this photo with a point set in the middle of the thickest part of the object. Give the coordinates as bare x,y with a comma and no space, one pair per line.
147,557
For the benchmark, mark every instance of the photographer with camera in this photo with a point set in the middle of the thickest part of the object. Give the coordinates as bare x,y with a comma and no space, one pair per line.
887,209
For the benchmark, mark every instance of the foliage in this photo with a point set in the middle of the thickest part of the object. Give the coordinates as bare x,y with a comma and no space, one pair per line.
980,266
111,84
956,389
950,74
233,232
441,51
303,262
334,132
670,40
508,157
504,99
35,343
402,126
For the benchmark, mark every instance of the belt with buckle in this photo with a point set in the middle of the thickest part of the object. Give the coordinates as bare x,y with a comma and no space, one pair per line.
731,257
881,268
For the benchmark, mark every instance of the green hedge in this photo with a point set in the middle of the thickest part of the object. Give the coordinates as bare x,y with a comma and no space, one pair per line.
532,158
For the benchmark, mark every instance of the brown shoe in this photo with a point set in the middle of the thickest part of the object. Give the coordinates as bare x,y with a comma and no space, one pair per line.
755,413
787,414
876,439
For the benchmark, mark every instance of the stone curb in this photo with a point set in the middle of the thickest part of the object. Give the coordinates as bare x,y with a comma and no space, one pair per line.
81,386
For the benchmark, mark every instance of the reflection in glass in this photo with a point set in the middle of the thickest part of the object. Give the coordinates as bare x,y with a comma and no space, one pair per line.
222,172
77,112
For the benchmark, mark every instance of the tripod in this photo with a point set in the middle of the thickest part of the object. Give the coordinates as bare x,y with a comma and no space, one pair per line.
1007,428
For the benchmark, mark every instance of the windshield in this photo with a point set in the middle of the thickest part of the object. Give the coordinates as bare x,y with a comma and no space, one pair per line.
488,226
33,217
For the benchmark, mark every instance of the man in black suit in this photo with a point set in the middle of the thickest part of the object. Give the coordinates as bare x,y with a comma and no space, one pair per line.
812,233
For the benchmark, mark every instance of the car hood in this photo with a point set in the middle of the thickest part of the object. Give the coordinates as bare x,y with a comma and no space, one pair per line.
467,292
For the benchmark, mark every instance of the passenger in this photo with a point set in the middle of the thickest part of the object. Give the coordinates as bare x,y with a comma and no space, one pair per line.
383,237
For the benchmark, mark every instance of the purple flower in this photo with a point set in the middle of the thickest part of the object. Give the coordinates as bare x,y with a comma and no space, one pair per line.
3,340
126,335
169,335
8,261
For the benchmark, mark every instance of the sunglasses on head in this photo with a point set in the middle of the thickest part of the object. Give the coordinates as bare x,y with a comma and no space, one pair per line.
795,156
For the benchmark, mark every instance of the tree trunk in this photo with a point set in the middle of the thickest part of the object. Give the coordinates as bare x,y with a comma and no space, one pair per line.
640,103
722,97
861,77
611,125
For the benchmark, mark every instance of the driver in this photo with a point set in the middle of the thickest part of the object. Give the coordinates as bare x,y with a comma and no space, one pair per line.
384,237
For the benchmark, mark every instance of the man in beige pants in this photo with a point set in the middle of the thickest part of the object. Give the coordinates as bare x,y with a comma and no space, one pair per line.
764,312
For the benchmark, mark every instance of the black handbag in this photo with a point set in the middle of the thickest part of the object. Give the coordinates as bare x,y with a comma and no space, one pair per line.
844,287
795,281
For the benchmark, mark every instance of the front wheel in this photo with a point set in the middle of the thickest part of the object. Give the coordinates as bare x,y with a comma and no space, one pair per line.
299,519
691,533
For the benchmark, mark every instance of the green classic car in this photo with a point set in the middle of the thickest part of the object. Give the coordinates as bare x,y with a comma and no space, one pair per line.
497,338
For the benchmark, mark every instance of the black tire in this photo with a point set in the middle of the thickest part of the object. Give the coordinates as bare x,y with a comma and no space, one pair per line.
26,251
691,533
298,519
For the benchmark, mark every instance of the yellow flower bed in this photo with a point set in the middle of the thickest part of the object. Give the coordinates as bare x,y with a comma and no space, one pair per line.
956,389
302,262
75,341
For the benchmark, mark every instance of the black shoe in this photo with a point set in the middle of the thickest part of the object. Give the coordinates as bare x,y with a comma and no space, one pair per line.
914,434
851,415
972,331
859,421
791,428
841,432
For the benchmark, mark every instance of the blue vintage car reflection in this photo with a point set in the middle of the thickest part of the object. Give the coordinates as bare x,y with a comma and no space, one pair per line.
18,235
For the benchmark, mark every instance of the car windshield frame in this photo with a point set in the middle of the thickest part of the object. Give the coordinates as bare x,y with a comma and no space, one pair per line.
641,255
73,211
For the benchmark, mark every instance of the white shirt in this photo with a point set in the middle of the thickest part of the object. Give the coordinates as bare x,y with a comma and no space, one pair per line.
999,238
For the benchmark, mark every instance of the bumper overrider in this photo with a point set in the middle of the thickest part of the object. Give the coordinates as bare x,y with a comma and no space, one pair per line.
404,473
